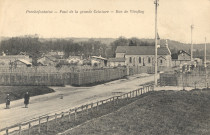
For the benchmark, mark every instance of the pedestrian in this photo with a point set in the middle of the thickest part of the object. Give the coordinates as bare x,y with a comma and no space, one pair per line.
7,102
26,99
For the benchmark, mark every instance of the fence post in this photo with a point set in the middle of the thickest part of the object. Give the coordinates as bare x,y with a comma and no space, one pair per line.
117,99
7,131
91,107
55,117
47,123
29,128
127,96
97,106
113,100
39,130
141,91
69,115
75,114
19,129
136,93
62,115
87,108
82,110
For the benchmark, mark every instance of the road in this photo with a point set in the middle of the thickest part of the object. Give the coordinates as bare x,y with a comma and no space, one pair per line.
73,96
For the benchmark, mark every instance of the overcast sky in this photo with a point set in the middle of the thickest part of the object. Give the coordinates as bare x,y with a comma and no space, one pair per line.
174,19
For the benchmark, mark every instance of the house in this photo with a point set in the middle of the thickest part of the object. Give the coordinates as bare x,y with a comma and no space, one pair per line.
6,60
114,62
47,61
144,55
77,60
22,63
99,61
182,57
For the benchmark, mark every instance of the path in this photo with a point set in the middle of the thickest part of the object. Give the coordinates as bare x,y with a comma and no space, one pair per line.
73,96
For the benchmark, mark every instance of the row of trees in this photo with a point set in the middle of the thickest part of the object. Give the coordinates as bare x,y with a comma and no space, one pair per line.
35,47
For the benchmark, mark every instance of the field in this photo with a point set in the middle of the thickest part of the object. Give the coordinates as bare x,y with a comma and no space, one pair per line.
162,112
17,92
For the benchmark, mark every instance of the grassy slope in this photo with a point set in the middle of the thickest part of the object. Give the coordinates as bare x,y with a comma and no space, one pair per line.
163,112
17,92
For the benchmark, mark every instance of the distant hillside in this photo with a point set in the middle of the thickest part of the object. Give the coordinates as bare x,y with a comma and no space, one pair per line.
106,41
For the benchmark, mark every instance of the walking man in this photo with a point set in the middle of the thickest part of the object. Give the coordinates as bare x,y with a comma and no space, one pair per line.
26,99
7,102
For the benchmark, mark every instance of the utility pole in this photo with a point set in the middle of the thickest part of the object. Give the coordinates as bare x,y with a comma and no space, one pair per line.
191,42
156,5
205,54
205,65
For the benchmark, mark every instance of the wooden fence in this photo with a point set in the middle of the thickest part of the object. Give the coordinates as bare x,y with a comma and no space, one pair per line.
72,112
46,79
92,76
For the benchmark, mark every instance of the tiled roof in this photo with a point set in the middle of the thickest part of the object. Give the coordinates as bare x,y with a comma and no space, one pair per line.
25,61
122,49
98,57
142,50
116,59
182,51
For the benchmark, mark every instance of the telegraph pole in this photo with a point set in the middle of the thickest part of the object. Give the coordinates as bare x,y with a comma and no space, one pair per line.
205,54
205,65
191,42
156,5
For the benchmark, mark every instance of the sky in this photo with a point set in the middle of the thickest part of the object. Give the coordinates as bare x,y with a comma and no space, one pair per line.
19,18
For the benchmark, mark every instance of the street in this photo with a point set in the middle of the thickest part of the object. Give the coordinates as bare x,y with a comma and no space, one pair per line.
72,97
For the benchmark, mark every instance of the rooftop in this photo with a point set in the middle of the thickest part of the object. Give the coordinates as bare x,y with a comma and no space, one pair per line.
116,59
142,50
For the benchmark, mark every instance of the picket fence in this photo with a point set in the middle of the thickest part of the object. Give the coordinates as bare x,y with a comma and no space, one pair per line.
72,112
59,79
94,76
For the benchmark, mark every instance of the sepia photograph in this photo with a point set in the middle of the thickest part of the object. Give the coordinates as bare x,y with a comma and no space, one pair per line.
104,67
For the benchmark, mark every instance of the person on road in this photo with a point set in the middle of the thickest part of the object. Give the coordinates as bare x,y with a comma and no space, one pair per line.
7,102
26,99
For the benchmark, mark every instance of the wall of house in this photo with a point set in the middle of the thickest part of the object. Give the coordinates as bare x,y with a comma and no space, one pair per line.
100,64
167,61
120,55
115,64
183,56
147,60
139,60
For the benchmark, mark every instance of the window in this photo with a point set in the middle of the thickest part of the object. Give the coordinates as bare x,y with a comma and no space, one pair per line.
149,60
139,59
134,61
161,61
130,59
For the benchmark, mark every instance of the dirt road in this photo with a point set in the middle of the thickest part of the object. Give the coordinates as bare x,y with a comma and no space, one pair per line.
73,96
